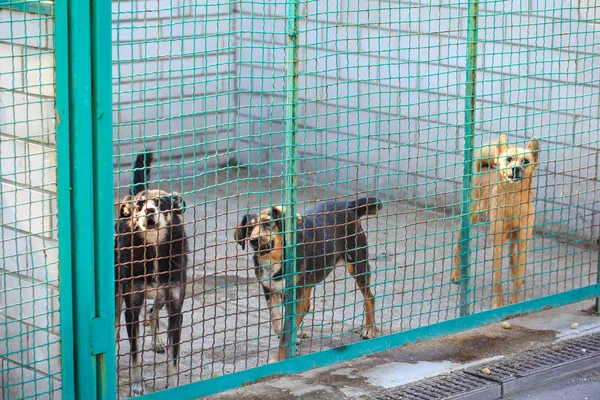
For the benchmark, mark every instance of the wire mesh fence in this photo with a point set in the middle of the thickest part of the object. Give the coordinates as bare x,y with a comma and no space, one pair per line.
30,364
232,117
380,112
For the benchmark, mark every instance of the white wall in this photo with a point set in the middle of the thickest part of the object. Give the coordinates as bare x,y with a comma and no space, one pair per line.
386,78
174,81
29,308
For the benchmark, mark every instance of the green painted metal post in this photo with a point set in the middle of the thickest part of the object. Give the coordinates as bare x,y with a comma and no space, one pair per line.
63,177
85,195
81,191
466,209
101,56
290,184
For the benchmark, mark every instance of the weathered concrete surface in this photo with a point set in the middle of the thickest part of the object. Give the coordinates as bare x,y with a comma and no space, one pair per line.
418,361
226,319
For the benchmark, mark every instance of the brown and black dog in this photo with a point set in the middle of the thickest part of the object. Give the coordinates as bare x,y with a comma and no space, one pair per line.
151,261
329,235
503,189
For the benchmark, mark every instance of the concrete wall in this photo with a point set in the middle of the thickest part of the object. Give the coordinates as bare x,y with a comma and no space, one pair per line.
174,82
382,97
30,360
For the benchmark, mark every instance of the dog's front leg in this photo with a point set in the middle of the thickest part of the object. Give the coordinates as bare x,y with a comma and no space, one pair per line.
118,306
301,297
175,309
455,278
275,312
134,302
518,272
158,345
498,235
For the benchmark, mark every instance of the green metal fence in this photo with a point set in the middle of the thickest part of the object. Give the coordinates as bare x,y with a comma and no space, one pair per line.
30,362
253,104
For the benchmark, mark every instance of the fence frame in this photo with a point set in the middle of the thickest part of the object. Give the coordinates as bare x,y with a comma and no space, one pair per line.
85,198
85,193
290,185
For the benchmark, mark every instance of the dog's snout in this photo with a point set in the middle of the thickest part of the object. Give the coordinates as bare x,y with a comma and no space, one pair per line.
261,246
151,210
517,173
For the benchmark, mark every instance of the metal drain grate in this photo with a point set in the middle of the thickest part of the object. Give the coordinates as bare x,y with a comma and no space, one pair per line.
442,387
508,375
535,361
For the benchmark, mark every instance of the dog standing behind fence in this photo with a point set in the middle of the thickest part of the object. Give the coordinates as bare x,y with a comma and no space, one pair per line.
503,189
150,262
328,235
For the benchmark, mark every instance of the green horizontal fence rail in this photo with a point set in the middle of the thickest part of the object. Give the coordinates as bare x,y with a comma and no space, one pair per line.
254,104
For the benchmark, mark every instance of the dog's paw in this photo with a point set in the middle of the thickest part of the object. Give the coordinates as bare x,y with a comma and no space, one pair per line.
299,337
159,345
515,298
369,332
455,278
137,389
159,349
498,303
171,375
279,355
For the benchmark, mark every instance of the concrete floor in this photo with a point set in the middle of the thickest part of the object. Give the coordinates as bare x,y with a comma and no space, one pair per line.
226,320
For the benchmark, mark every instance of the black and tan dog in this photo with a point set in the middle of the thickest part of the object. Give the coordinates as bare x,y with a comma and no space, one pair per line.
329,235
150,262
503,188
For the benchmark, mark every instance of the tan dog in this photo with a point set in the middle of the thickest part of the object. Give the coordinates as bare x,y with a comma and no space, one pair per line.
503,189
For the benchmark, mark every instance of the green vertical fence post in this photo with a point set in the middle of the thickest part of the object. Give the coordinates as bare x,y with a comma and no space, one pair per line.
290,184
104,341
63,179
85,196
466,208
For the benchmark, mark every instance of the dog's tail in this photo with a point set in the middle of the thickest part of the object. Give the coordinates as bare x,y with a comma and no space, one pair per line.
365,206
141,172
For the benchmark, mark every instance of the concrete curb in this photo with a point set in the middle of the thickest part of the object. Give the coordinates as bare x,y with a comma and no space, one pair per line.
560,371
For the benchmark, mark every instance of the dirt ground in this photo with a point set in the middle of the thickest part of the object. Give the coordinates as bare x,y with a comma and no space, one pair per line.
226,319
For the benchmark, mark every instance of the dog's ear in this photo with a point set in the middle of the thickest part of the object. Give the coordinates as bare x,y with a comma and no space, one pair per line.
534,147
502,144
178,203
241,231
125,207
277,215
